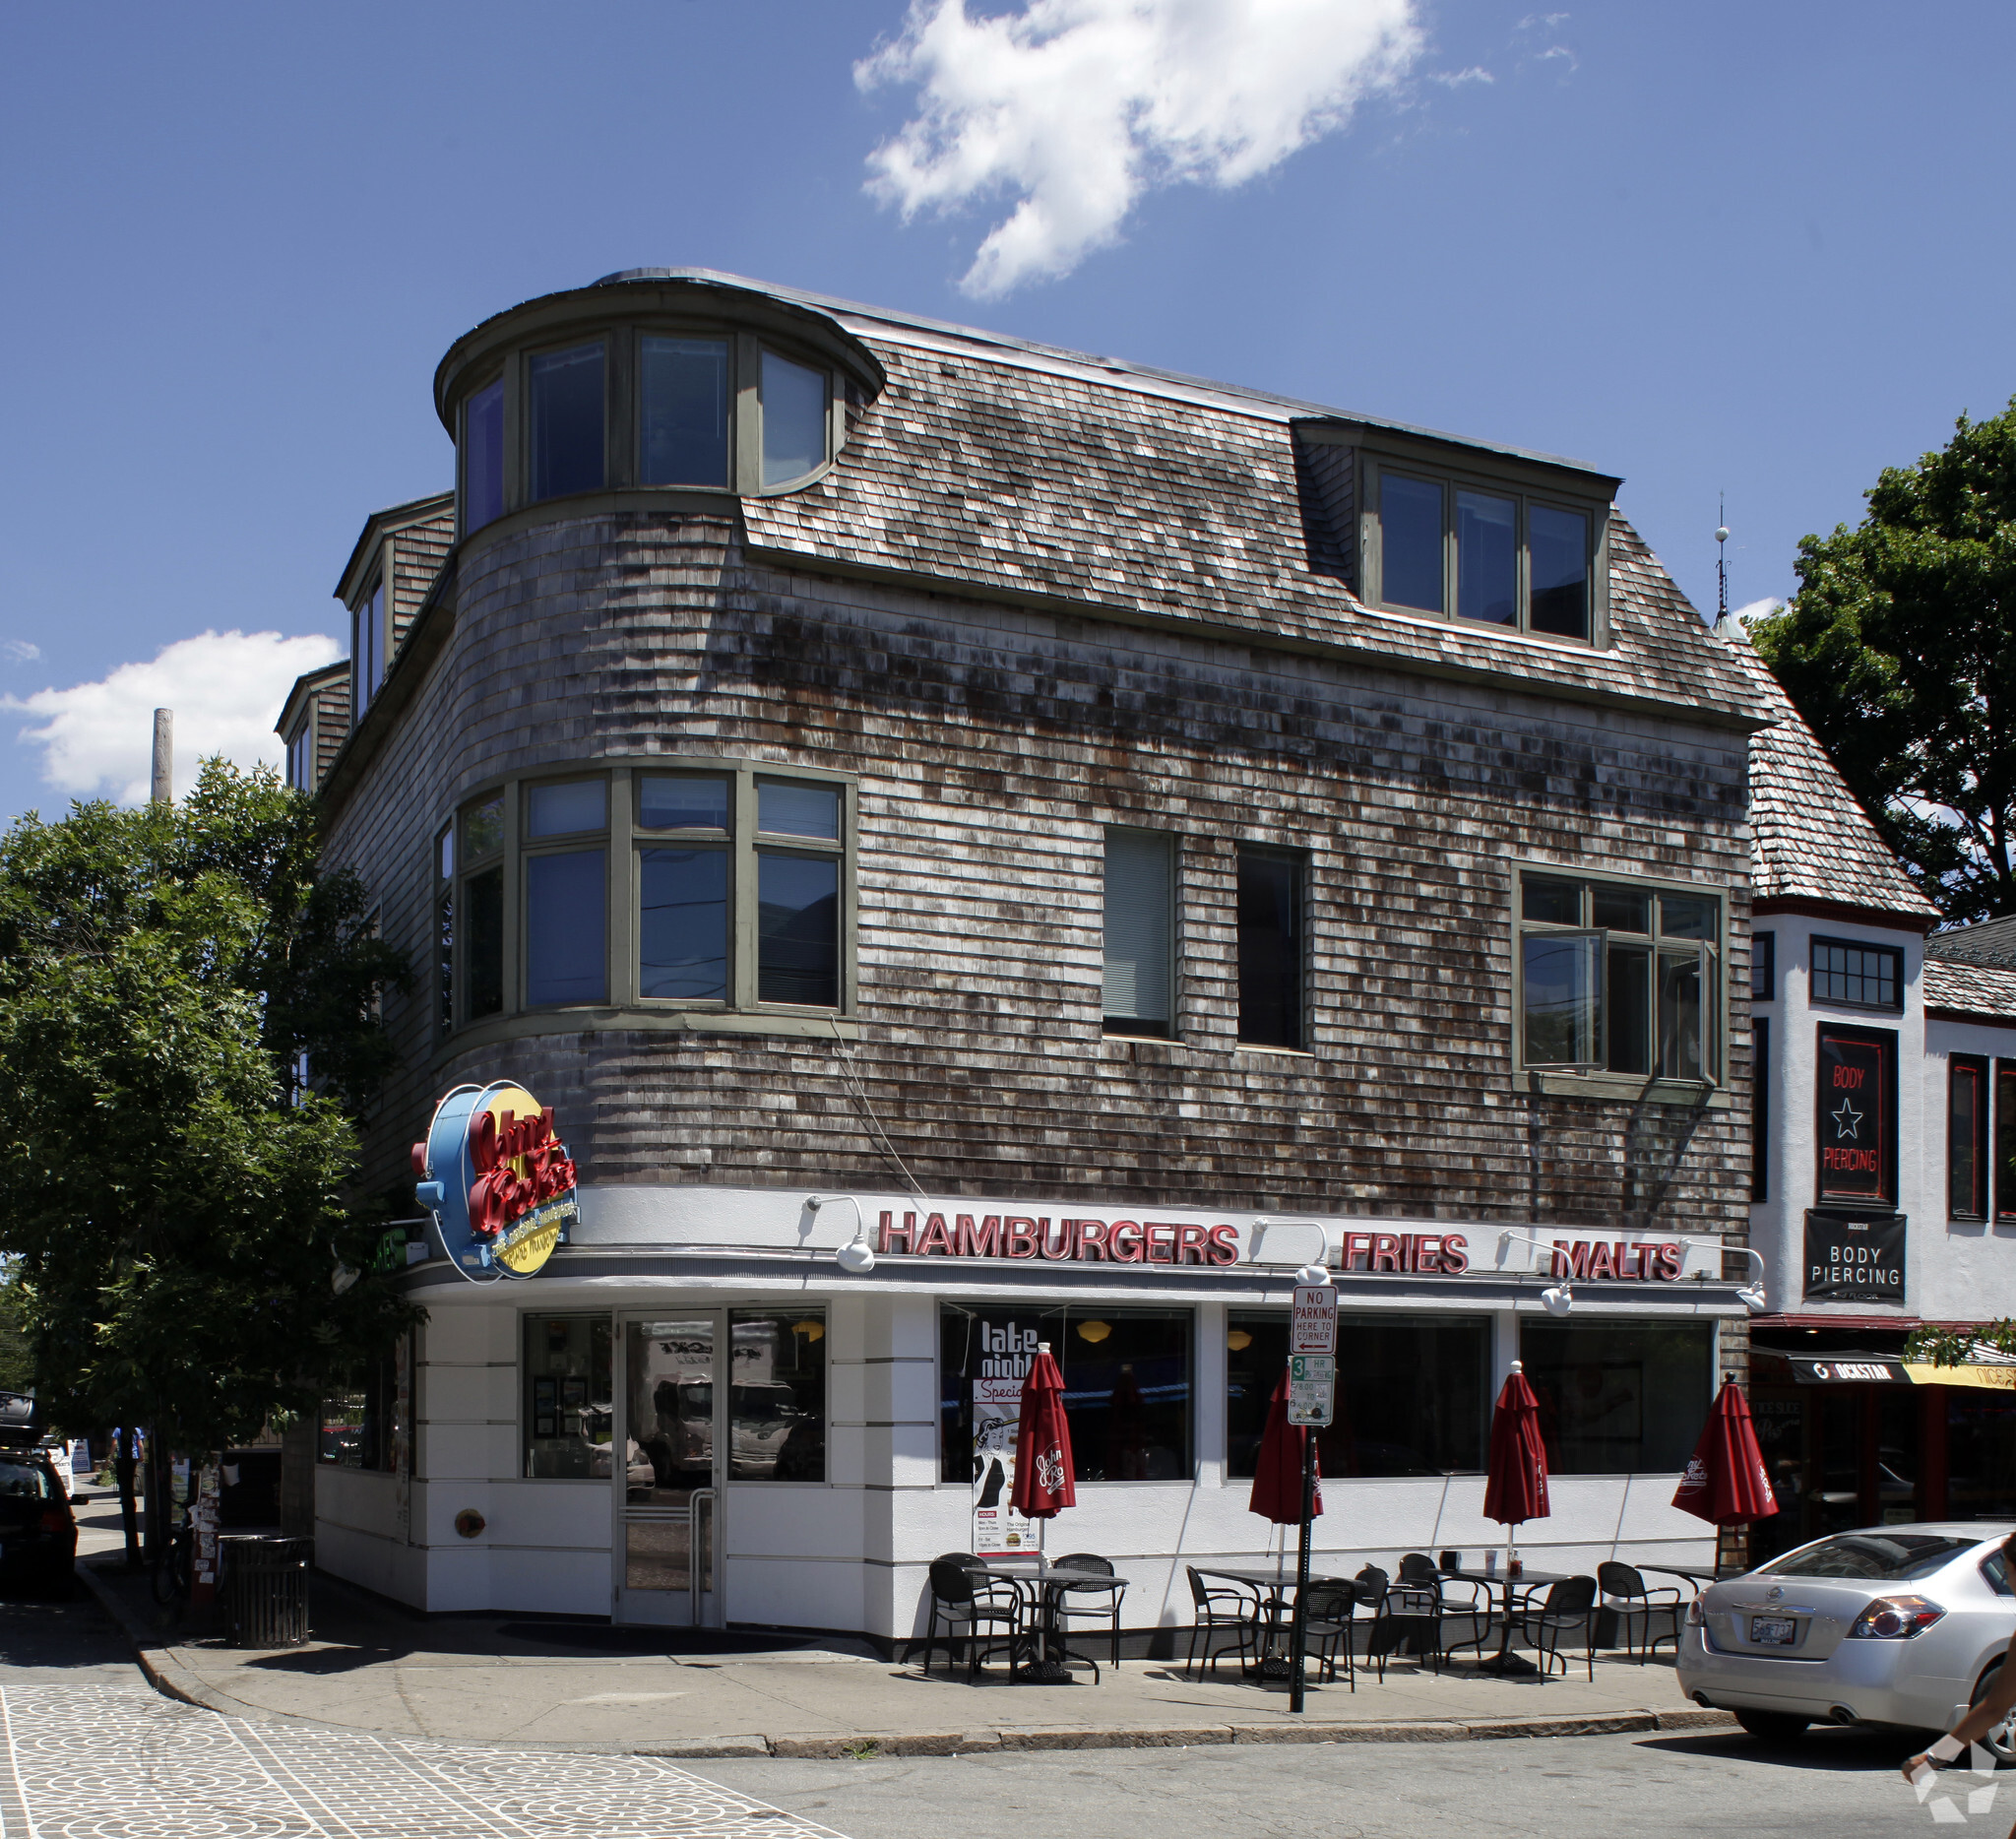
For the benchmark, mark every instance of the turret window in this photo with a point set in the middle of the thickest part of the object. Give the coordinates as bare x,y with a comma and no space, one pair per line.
565,438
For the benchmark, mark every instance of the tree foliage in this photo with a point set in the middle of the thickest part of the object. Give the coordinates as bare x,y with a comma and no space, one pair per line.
1900,651
180,1205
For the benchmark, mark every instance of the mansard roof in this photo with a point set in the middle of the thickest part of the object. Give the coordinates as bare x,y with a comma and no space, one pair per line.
1071,481
1810,838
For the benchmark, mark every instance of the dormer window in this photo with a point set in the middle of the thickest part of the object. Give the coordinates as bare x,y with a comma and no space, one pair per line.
633,387
1468,550
368,647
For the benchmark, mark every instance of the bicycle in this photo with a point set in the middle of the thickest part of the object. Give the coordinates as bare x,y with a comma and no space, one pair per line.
175,1560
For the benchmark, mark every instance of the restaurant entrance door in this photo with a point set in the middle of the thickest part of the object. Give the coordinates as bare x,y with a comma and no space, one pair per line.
669,1490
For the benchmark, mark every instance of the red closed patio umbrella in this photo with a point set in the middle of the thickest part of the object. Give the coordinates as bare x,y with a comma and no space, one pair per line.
1042,1444
1727,1483
1277,1471
1516,1486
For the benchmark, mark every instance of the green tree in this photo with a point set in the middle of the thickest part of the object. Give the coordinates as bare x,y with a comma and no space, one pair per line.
182,1203
1899,648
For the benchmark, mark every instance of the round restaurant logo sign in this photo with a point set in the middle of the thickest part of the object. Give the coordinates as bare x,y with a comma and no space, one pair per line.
497,1179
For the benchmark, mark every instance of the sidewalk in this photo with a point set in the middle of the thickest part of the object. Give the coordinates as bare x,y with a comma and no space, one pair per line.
583,1687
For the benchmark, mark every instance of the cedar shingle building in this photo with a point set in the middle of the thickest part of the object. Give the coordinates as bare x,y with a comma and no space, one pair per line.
1111,839
1884,1185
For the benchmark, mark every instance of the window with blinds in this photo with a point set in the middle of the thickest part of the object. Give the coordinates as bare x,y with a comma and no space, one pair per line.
1140,902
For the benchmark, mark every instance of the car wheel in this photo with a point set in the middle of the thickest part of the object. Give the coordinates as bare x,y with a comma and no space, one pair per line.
1772,1727
1998,1743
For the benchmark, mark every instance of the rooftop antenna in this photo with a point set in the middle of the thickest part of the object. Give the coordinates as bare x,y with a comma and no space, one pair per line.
163,755
1721,561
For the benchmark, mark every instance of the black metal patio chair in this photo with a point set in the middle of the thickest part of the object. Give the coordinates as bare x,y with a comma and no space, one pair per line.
1102,1600
1327,1616
1409,1614
1625,1592
1222,1602
971,1602
1569,1604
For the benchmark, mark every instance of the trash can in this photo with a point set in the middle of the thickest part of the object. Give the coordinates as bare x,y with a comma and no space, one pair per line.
265,1590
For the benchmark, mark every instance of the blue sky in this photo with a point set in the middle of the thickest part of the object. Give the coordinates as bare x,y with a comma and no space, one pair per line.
1760,249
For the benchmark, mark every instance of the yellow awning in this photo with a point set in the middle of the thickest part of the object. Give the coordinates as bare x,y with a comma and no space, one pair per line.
1989,1378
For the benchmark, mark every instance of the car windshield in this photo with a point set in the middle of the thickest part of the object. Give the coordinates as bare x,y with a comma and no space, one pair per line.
26,1481
1879,1557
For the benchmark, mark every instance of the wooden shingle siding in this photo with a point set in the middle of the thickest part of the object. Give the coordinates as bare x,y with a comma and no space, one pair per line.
418,551
1326,474
331,721
993,742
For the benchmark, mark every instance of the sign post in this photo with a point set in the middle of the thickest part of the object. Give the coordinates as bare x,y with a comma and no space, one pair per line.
1311,1403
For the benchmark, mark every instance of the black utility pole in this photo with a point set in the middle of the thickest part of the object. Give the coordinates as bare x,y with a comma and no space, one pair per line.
1298,1623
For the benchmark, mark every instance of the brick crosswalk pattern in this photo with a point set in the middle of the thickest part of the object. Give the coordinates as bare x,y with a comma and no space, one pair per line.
111,1762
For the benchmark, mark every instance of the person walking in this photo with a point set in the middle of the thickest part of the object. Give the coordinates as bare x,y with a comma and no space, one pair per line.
1995,1705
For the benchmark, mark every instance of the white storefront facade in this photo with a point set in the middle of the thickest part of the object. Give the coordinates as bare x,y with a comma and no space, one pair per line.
521,1392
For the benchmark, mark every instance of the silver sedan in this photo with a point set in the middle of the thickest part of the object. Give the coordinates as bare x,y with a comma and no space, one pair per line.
1893,1625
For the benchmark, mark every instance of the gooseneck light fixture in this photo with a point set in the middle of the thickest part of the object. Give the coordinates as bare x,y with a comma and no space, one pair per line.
857,1257
1558,1298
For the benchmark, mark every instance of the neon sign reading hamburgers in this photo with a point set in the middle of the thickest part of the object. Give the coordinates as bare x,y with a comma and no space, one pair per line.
497,1179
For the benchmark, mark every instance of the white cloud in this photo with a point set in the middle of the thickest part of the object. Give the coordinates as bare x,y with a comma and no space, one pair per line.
1456,79
1755,610
1073,108
19,651
225,688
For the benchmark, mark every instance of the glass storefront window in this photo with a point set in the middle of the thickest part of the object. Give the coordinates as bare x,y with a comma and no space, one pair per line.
777,1395
363,1419
1981,1453
1127,1380
569,1396
1619,1398
1411,1393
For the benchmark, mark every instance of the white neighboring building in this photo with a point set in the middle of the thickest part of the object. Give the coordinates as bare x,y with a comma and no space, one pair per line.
1884,1186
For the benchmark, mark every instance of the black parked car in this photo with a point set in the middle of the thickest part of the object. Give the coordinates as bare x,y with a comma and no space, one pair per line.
38,1529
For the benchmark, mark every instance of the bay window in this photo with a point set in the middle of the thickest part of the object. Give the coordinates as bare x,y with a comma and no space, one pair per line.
1618,977
564,411
482,457
699,889
699,408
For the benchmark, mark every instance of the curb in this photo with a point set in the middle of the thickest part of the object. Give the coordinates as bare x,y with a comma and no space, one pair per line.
164,1673
169,1677
871,1746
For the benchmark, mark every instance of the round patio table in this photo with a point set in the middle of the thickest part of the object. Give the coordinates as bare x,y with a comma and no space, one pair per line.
1045,1660
1505,1662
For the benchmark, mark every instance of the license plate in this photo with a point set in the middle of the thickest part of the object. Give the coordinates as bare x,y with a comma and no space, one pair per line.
1772,1630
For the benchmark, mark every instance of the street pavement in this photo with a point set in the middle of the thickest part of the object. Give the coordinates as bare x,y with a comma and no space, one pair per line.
93,1752
1836,1785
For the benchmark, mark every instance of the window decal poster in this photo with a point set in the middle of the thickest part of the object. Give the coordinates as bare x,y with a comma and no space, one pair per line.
1856,1116
1005,1355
